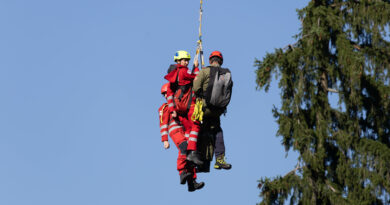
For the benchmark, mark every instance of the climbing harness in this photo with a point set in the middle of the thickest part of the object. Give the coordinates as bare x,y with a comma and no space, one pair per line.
199,49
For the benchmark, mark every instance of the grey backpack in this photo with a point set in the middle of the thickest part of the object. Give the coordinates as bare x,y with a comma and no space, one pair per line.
219,90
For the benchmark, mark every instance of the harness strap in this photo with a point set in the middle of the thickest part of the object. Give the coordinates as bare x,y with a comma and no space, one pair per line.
161,117
190,101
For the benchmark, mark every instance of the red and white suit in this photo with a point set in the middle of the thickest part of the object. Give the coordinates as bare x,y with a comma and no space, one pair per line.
174,128
184,77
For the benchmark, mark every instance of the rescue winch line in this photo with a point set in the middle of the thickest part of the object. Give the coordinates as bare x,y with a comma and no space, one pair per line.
199,49
198,110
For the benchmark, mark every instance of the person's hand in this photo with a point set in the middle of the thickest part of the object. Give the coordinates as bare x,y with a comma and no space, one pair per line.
196,63
166,144
174,114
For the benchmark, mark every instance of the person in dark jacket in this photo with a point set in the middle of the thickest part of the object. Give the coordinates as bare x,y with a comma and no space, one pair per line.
211,117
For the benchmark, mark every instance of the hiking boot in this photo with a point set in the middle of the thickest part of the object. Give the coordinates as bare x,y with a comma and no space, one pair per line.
193,156
220,163
184,176
193,185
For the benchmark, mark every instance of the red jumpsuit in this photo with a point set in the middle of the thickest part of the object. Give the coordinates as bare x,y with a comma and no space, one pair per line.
173,127
184,77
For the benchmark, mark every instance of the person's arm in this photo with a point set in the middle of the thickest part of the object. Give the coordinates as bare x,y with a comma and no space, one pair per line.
195,69
166,144
190,75
187,75
164,119
198,82
171,106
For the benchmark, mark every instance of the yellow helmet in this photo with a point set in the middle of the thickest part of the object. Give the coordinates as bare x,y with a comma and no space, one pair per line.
181,55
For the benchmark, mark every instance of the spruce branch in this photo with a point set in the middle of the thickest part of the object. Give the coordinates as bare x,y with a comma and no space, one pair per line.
333,90
294,45
331,187
356,46
324,83
297,167
289,46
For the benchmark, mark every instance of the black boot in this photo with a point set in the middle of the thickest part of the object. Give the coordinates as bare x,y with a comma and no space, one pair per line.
193,156
193,185
184,176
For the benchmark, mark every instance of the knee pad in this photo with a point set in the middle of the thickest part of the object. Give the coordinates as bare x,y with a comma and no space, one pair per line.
183,148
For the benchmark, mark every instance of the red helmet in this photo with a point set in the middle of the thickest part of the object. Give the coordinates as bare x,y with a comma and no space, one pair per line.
216,54
164,88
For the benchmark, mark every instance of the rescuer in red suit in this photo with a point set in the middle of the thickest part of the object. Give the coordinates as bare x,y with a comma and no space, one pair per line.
181,78
172,126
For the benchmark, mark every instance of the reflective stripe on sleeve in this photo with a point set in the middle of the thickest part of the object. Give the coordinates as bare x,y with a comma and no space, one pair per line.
170,98
164,133
193,139
164,127
174,128
170,105
173,123
194,133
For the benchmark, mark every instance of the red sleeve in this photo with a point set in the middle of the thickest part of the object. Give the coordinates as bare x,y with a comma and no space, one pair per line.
170,94
186,76
164,119
195,71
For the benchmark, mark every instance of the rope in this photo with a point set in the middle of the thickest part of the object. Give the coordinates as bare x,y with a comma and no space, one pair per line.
198,111
199,49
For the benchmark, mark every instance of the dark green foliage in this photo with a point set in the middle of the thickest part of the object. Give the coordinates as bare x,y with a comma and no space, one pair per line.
343,50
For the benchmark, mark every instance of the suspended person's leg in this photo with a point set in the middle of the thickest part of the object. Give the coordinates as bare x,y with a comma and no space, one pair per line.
220,162
191,180
185,174
180,141
192,184
186,125
187,171
192,154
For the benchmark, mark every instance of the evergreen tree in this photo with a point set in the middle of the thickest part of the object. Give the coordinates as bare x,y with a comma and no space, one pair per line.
342,49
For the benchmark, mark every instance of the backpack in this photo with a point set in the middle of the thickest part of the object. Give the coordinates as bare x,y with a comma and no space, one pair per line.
219,89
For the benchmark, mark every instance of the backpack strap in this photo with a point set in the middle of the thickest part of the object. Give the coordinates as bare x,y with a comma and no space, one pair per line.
213,72
190,101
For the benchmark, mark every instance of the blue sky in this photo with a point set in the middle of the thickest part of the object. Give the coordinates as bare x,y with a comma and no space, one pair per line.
80,83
